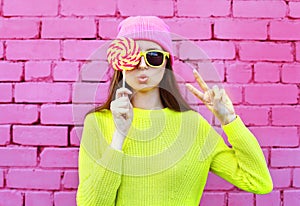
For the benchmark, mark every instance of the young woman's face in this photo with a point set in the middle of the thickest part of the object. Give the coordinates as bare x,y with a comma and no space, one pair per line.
145,77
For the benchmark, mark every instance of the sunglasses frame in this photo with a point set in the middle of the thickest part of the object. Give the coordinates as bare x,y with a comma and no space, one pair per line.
144,53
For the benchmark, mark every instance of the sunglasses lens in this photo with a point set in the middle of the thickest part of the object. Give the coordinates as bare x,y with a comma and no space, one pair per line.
155,58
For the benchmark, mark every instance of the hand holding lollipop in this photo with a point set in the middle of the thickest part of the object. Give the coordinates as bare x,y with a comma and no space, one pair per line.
123,54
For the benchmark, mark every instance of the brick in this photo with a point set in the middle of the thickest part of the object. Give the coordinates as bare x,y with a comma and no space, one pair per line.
259,9
64,198
87,8
68,28
212,71
285,30
260,51
66,71
65,114
212,198
189,28
291,73
38,198
70,179
85,50
215,182
271,94
32,49
146,7
10,71
108,27
276,136
294,9
5,92
18,113
90,92
286,115
37,70
254,115
75,136
281,177
296,178
33,179
183,71
4,134
18,156
18,28
26,8
242,198
266,154
298,51
11,198
239,72
95,71
266,72
200,8
1,49
59,157
285,157
206,50
291,197
272,198
240,29
42,92
56,114
234,92
1,178
40,135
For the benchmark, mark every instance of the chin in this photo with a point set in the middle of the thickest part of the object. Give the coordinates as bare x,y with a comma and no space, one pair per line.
144,88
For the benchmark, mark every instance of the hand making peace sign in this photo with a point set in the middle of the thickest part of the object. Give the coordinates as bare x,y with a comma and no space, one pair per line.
215,99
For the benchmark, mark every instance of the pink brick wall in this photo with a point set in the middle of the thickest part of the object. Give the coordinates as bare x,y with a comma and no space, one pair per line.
44,44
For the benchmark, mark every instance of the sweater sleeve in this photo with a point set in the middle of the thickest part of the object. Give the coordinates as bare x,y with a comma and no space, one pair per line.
244,164
99,169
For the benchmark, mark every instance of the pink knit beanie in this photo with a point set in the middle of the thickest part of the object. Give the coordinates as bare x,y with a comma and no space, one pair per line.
147,28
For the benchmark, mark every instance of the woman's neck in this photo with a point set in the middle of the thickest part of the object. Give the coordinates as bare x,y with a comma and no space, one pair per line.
147,100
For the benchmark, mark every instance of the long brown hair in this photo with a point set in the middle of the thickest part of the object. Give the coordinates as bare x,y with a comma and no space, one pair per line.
168,90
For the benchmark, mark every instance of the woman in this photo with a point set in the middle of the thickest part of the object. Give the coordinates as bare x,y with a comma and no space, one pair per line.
146,146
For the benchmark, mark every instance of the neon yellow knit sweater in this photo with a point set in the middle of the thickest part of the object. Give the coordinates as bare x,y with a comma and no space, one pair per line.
165,160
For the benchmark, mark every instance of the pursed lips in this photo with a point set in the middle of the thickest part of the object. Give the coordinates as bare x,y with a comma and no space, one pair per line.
142,78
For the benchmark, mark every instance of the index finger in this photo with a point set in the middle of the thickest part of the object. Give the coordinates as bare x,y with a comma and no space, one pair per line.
200,81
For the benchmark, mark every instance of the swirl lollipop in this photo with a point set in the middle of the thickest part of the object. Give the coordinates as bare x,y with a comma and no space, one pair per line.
123,54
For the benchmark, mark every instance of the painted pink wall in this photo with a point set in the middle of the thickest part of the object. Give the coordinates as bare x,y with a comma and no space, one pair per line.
255,46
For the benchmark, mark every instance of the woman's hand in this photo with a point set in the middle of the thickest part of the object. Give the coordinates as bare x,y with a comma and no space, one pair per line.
122,111
215,99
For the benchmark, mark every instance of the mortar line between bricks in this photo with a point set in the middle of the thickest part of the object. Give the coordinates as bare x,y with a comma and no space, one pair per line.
268,31
231,9
175,13
293,45
281,198
39,35
59,9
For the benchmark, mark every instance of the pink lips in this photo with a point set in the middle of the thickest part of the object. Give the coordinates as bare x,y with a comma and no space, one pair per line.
143,78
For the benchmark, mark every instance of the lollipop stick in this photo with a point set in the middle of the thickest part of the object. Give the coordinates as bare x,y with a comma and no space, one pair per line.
123,71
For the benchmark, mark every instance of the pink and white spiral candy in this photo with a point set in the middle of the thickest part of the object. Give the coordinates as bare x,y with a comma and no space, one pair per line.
123,54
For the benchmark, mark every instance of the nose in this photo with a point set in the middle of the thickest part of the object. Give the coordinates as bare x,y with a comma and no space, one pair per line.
142,64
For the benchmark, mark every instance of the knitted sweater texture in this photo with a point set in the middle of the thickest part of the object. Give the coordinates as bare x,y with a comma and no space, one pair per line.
165,159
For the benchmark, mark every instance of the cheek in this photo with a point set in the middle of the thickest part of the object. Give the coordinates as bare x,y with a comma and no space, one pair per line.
130,75
158,76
